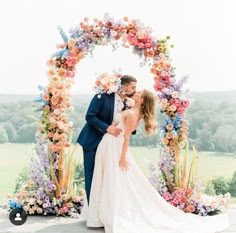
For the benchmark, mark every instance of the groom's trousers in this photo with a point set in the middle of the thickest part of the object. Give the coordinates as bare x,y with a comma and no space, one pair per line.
89,161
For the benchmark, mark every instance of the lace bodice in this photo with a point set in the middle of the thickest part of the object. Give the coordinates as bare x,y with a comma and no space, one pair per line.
119,120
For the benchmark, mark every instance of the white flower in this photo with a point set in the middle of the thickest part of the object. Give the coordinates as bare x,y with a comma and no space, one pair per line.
114,89
175,94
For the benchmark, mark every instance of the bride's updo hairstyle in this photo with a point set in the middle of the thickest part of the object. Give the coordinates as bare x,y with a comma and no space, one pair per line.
148,111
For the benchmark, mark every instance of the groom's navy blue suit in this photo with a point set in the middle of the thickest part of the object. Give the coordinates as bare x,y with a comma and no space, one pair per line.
98,117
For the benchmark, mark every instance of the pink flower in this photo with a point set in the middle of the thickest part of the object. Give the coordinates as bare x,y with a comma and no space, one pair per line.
64,197
174,203
175,102
70,74
67,144
68,205
40,128
167,196
179,192
18,196
61,211
75,198
213,204
157,86
141,45
65,209
50,134
185,103
181,110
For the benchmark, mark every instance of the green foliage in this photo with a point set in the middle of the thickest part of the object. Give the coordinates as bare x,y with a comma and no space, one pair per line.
221,185
26,133
3,135
210,189
22,179
232,185
212,118
11,131
79,175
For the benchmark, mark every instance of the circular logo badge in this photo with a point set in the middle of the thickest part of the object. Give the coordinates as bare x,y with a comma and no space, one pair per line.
18,216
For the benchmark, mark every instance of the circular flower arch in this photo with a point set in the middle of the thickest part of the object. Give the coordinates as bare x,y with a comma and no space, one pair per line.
80,43
51,189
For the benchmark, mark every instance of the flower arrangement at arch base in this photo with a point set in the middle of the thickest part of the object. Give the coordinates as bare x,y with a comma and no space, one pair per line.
176,176
37,193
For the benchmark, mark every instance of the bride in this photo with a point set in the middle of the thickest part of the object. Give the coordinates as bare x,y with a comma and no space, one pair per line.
122,200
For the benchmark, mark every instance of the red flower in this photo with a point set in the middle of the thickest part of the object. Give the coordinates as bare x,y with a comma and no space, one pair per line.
109,24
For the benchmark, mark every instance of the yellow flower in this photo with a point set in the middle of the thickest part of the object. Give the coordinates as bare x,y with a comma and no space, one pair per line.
171,108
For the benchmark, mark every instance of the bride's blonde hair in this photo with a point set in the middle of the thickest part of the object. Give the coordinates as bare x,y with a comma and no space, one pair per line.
148,111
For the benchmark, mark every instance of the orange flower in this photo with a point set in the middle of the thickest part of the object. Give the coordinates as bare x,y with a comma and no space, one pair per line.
51,72
184,199
167,65
55,78
55,100
171,148
50,134
72,42
165,141
55,147
169,127
168,135
45,97
172,142
61,72
50,62
190,209
189,191
126,19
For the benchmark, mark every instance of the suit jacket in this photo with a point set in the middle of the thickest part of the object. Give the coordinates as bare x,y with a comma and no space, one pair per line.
98,117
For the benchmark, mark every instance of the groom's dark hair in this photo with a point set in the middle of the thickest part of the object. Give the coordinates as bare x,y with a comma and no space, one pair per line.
127,79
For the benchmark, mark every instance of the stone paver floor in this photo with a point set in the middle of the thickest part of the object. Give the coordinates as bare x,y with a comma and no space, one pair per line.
52,224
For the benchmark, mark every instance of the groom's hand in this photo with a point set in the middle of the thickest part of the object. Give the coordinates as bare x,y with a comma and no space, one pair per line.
113,130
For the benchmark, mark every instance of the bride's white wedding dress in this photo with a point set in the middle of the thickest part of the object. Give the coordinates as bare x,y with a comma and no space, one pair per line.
126,202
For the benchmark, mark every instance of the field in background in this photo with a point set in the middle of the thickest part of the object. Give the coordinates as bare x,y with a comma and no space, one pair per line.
15,157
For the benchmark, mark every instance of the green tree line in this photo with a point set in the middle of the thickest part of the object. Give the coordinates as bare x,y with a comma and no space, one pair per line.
211,116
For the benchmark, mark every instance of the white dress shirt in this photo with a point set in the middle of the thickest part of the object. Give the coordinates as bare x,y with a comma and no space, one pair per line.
118,104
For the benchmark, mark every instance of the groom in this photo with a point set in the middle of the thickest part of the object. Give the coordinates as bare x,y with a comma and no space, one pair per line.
99,119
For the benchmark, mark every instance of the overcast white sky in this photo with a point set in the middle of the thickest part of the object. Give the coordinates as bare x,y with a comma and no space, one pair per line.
203,32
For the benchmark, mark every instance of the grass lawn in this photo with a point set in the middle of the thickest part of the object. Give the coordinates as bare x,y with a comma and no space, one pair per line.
15,157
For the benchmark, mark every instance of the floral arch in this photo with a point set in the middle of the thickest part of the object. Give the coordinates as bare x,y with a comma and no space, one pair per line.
50,186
